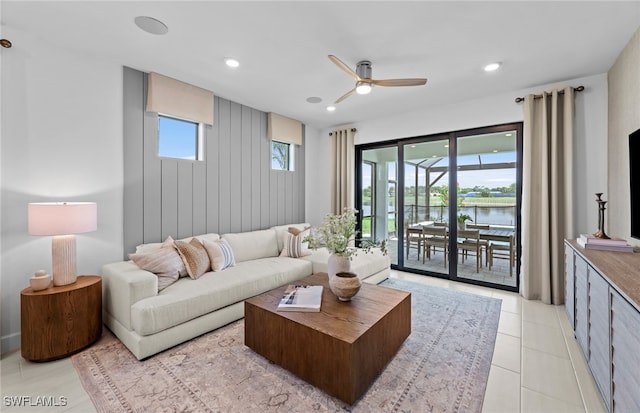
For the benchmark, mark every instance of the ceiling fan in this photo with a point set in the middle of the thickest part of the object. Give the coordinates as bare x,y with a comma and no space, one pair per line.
364,82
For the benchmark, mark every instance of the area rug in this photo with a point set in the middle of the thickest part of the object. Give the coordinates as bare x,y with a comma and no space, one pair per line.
442,367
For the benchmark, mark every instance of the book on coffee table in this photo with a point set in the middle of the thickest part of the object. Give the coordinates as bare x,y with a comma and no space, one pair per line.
301,298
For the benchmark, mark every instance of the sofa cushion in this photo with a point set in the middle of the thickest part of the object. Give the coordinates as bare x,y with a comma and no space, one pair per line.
220,254
253,245
194,256
188,299
362,264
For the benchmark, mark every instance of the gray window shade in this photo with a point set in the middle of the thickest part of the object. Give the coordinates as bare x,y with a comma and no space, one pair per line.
182,100
283,129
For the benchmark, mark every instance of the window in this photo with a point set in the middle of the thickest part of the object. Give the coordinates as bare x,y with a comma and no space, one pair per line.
178,138
281,156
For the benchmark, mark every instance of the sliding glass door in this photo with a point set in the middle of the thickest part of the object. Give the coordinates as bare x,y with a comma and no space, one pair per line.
448,204
426,188
377,201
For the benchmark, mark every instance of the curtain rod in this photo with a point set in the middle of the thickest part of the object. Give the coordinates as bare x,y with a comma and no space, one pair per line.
577,89
352,130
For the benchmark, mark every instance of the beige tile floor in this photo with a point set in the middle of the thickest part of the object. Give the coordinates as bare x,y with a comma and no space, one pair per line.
537,365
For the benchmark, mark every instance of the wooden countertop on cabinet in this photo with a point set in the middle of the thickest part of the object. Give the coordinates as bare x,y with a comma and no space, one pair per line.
60,321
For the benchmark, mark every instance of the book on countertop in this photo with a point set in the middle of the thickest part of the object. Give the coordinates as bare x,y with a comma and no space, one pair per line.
590,239
301,298
604,247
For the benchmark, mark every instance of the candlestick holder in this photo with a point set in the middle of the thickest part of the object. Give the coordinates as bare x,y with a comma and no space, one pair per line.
601,208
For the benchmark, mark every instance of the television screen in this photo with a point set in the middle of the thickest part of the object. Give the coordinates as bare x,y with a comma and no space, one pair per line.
634,179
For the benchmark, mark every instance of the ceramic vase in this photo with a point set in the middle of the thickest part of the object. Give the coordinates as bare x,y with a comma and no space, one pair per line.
345,285
337,263
462,225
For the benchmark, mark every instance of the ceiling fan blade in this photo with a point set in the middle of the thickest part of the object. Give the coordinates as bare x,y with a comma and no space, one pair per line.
346,95
399,82
344,67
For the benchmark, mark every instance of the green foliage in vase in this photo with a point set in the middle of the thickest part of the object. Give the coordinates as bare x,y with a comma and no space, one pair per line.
338,234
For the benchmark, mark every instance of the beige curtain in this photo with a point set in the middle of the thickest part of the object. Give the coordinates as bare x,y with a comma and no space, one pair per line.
342,169
547,197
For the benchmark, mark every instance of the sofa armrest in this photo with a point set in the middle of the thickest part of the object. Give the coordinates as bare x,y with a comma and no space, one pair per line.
124,284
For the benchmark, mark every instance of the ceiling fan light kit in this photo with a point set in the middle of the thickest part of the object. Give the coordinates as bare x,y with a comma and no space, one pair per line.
364,82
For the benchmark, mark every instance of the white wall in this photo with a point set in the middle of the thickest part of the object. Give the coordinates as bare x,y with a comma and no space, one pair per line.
61,140
590,147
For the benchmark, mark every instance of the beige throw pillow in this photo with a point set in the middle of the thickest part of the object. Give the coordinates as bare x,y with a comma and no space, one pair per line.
194,256
164,262
220,254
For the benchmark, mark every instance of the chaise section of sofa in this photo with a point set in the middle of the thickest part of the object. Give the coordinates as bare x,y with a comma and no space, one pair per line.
148,321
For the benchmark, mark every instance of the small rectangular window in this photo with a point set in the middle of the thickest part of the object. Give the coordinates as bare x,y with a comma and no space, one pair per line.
178,138
281,156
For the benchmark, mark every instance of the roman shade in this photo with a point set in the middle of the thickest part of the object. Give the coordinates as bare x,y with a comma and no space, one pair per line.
182,100
283,129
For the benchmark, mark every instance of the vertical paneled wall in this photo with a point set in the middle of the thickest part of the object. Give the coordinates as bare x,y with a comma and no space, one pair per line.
232,190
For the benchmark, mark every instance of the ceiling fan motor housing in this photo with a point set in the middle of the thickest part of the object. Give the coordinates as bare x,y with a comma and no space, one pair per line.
363,70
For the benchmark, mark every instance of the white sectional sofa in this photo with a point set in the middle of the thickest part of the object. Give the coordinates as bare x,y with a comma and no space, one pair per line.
148,321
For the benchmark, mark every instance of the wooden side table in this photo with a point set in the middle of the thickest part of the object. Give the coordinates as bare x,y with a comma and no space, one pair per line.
61,321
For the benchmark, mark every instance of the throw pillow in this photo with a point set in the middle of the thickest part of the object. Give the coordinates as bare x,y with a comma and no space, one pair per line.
169,243
220,254
293,245
164,262
194,256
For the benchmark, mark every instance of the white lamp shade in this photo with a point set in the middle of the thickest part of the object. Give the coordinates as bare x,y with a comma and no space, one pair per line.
62,218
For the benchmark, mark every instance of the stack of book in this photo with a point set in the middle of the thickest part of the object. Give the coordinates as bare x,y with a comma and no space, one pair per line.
612,244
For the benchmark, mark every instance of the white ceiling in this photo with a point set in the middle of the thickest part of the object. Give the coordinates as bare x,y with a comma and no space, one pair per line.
283,47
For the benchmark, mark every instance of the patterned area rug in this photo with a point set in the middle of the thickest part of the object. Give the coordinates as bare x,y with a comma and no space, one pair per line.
442,367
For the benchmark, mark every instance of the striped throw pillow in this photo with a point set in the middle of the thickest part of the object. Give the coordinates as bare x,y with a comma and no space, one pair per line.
220,254
293,245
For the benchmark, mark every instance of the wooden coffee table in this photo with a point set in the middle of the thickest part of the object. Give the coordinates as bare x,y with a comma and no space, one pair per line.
341,349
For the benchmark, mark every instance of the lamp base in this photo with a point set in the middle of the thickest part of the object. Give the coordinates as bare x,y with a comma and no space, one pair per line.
63,252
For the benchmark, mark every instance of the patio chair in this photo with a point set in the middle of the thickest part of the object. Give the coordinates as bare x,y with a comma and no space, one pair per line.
484,244
469,241
503,251
413,239
434,237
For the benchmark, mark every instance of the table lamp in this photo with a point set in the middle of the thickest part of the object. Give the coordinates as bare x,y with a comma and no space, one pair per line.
62,220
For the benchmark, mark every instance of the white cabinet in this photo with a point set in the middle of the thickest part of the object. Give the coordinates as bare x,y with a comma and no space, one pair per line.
599,332
625,361
601,301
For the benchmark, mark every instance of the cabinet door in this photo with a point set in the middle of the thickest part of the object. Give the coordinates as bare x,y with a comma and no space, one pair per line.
599,334
625,355
582,304
569,285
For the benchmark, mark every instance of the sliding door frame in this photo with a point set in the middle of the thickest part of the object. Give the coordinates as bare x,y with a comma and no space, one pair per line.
452,137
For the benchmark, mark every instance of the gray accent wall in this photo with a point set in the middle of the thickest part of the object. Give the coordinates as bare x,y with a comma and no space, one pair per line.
232,190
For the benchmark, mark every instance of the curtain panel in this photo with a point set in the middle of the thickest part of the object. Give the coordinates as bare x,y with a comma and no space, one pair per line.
547,197
342,169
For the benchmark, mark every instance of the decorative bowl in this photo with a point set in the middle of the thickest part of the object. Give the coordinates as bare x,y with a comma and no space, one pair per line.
344,285
40,283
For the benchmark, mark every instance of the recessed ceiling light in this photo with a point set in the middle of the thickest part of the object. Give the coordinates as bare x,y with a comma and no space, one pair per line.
314,99
151,25
492,66
231,62
495,151
508,134
331,108
446,146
